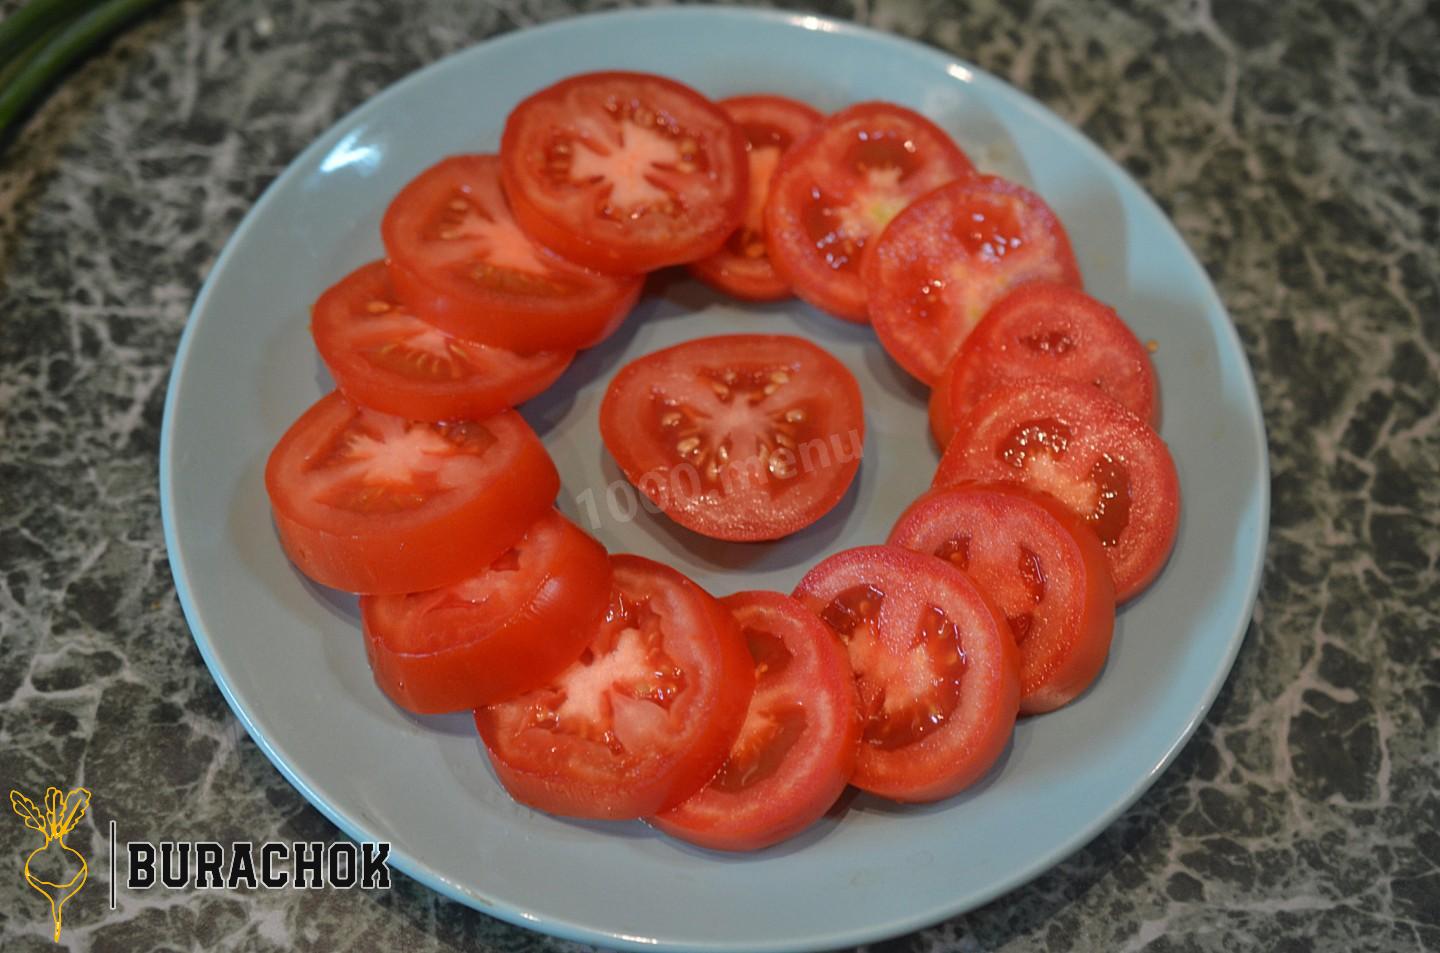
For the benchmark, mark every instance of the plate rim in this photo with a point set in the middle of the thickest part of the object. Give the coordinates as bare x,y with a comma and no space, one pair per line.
559,926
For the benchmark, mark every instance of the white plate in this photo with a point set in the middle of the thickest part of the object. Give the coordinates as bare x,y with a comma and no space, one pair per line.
288,655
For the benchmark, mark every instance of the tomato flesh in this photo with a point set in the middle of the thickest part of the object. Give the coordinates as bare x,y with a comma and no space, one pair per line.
1041,567
624,172
936,668
837,191
798,745
372,503
459,261
1103,463
740,437
645,716
948,257
770,124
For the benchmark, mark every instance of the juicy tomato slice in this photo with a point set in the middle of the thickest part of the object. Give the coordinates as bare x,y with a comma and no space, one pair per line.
797,749
504,631
645,716
771,125
1048,330
835,192
460,261
935,665
942,263
738,437
1041,567
942,418
374,503
1071,441
624,172
385,358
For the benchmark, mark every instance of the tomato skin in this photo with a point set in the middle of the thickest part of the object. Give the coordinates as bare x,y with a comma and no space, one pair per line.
815,680
960,751
942,418
1095,434
771,125
481,380
560,775
1026,552
950,255
480,642
1051,330
533,300
865,192
778,475
551,215
404,552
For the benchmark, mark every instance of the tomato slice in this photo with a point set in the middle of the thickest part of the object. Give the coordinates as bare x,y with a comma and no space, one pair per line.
1042,568
500,633
385,358
643,719
797,749
946,259
1047,330
624,172
459,260
836,191
738,437
935,665
1071,441
942,419
771,125
373,503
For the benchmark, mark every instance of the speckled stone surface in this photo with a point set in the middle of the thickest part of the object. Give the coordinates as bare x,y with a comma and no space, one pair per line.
1295,147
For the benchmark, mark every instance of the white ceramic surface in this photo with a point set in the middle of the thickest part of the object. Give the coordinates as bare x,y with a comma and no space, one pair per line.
288,655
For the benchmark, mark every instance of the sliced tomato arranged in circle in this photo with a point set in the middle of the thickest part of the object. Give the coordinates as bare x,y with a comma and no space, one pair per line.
797,749
935,665
946,259
624,172
372,503
1042,568
1071,441
1047,330
834,193
646,715
458,259
771,125
504,631
740,437
385,358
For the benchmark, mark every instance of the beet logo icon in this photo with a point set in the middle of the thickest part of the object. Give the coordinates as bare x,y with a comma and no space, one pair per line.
55,870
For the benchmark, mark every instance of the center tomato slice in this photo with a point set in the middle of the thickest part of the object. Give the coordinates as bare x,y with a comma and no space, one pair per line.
372,503
643,719
936,668
459,260
624,172
797,749
836,191
742,437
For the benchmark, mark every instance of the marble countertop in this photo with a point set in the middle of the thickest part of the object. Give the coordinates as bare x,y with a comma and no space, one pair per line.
1293,145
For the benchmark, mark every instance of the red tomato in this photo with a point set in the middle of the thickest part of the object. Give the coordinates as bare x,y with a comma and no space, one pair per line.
460,261
507,630
624,172
935,665
1041,567
385,358
371,503
1046,330
742,268
836,191
942,263
1071,441
797,749
643,719
942,420
739,437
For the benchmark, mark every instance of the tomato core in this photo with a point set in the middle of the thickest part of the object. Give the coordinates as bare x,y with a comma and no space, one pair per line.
1111,511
